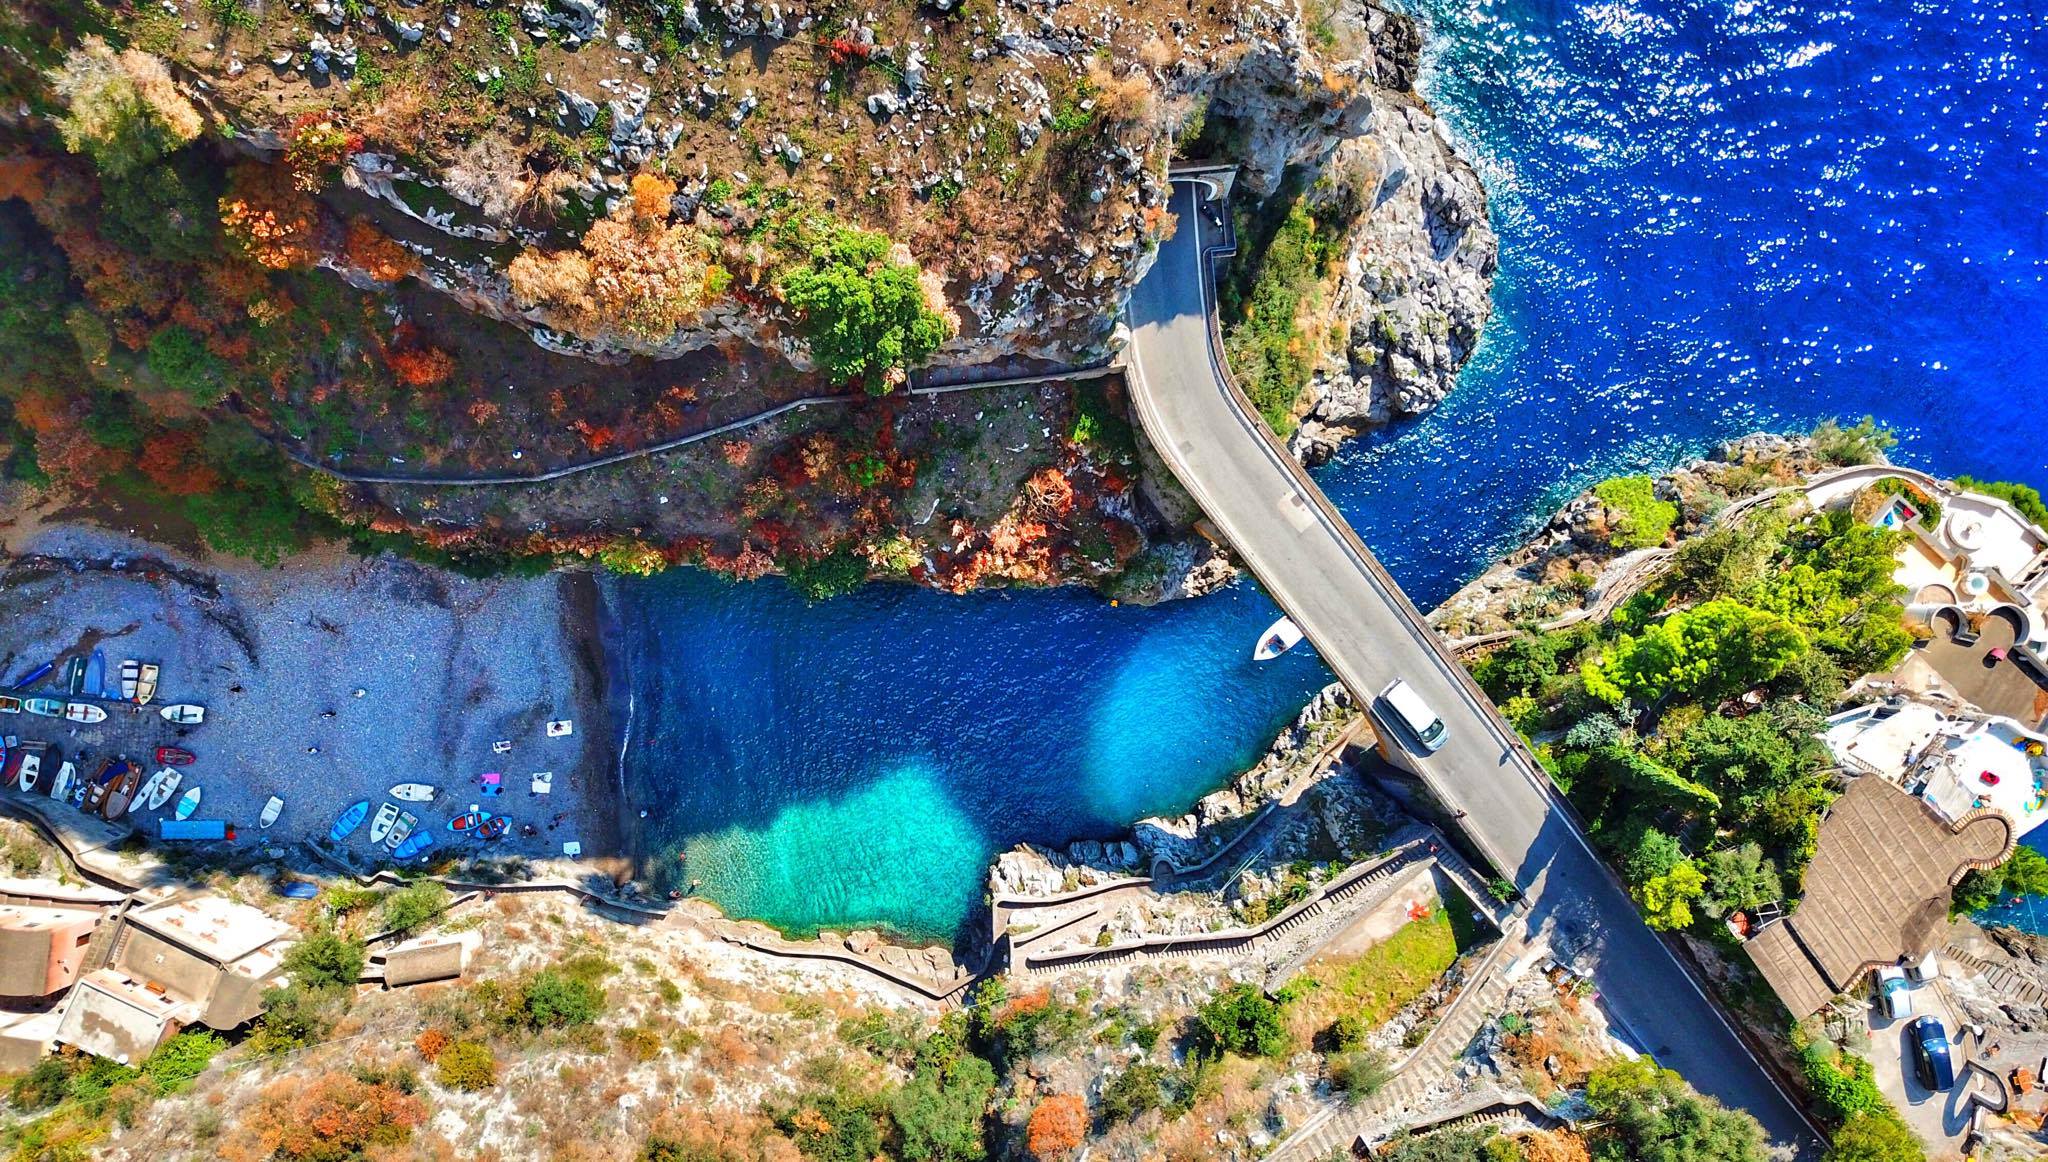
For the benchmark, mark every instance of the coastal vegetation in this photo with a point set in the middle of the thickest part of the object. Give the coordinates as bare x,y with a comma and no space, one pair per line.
1286,249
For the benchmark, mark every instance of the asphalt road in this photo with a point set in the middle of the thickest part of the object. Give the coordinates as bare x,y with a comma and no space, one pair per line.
1369,634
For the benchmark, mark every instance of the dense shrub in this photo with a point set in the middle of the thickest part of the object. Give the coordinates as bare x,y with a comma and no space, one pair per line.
553,999
121,109
1645,520
327,1118
940,1112
862,310
324,960
2026,500
1057,1127
1243,1020
466,1065
414,905
1650,1112
177,1061
2025,874
1359,1073
1875,1136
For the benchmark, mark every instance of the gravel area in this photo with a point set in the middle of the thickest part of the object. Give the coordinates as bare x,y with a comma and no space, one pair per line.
327,680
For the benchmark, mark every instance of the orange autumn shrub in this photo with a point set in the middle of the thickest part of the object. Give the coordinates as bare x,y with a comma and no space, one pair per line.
63,447
172,462
1554,1146
21,176
1057,1126
269,218
420,366
332,1116
430,1043
376,253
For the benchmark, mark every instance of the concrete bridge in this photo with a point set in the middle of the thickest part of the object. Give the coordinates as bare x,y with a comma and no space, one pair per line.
1290,536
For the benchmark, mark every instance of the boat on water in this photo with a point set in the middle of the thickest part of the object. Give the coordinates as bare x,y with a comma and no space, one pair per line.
468,821
96,674
131,673
122,796
84,712
174,756
414,793
9,704
494,828
420,842
184,714
145,684
271,810
1281,636
33,675
349,820
47,707
387,817
402,830
187,804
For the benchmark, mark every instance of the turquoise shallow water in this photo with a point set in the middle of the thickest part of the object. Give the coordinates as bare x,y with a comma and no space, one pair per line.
1714,217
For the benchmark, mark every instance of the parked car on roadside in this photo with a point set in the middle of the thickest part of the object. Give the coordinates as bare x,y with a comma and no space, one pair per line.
1894,992
1931,1059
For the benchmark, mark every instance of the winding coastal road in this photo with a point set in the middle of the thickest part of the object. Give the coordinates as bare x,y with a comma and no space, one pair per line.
1369,634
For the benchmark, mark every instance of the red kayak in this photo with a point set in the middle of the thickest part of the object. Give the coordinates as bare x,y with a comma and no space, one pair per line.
174,756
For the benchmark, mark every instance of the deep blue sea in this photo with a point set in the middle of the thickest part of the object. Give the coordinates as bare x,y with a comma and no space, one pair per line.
1714,218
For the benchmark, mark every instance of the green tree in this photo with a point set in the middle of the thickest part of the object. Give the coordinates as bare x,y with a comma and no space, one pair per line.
1653,1116
121,109
939,1113
552,999
177,1061
1134,1091
1875,1136
2026,500
833,1125
1740,879
1709,651
177,357
1645,520
1747,760
1862,443
325,959
2025,874
1667,899
414,905
1654,854
862,312
1241,1019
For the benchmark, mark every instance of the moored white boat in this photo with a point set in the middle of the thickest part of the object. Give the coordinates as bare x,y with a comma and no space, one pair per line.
414,793
271,810
184,714
187,804
387,816
67,777
131,673
403,830
47,707
31,770
166,781
145,684
1281,636
84,712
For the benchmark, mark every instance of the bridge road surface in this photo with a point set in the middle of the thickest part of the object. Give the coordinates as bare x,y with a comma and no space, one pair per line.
1369,634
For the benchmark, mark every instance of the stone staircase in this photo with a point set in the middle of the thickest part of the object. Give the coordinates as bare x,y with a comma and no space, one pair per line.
2007,983
1338,1131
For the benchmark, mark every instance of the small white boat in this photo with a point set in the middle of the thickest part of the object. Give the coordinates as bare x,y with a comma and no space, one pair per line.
84,712
1281,636
31,770
145,684
165,789
414,793
399,834
187,804
150,785
67,777
271,811
387,817
184,714
131,674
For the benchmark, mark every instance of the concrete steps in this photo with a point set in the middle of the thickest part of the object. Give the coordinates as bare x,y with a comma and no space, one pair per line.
2003,980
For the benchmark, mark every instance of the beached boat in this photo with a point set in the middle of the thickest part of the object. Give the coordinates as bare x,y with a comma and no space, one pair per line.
150,786
184,714
84,712
145,684
47,707
10,765
414,846
34,675
187,803
468,821
165,789
414,793
1281,636
494,828
67,776
31,770
387,815
9,705
96,674
174,756
350,819
298,890
74,677
271,810
122,793
131,673
402,830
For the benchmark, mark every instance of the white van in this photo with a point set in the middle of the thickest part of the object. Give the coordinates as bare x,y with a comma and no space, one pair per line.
1415,714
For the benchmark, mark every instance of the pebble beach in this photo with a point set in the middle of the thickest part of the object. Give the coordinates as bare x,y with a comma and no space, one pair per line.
327,680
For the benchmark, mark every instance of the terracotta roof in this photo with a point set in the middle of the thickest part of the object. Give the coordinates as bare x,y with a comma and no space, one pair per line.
1877,890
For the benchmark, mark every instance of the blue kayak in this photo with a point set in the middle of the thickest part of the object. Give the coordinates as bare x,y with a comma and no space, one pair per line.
299,890
349,821
34,676
419,842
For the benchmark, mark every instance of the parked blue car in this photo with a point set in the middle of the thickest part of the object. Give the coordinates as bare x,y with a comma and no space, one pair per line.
1931,1059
